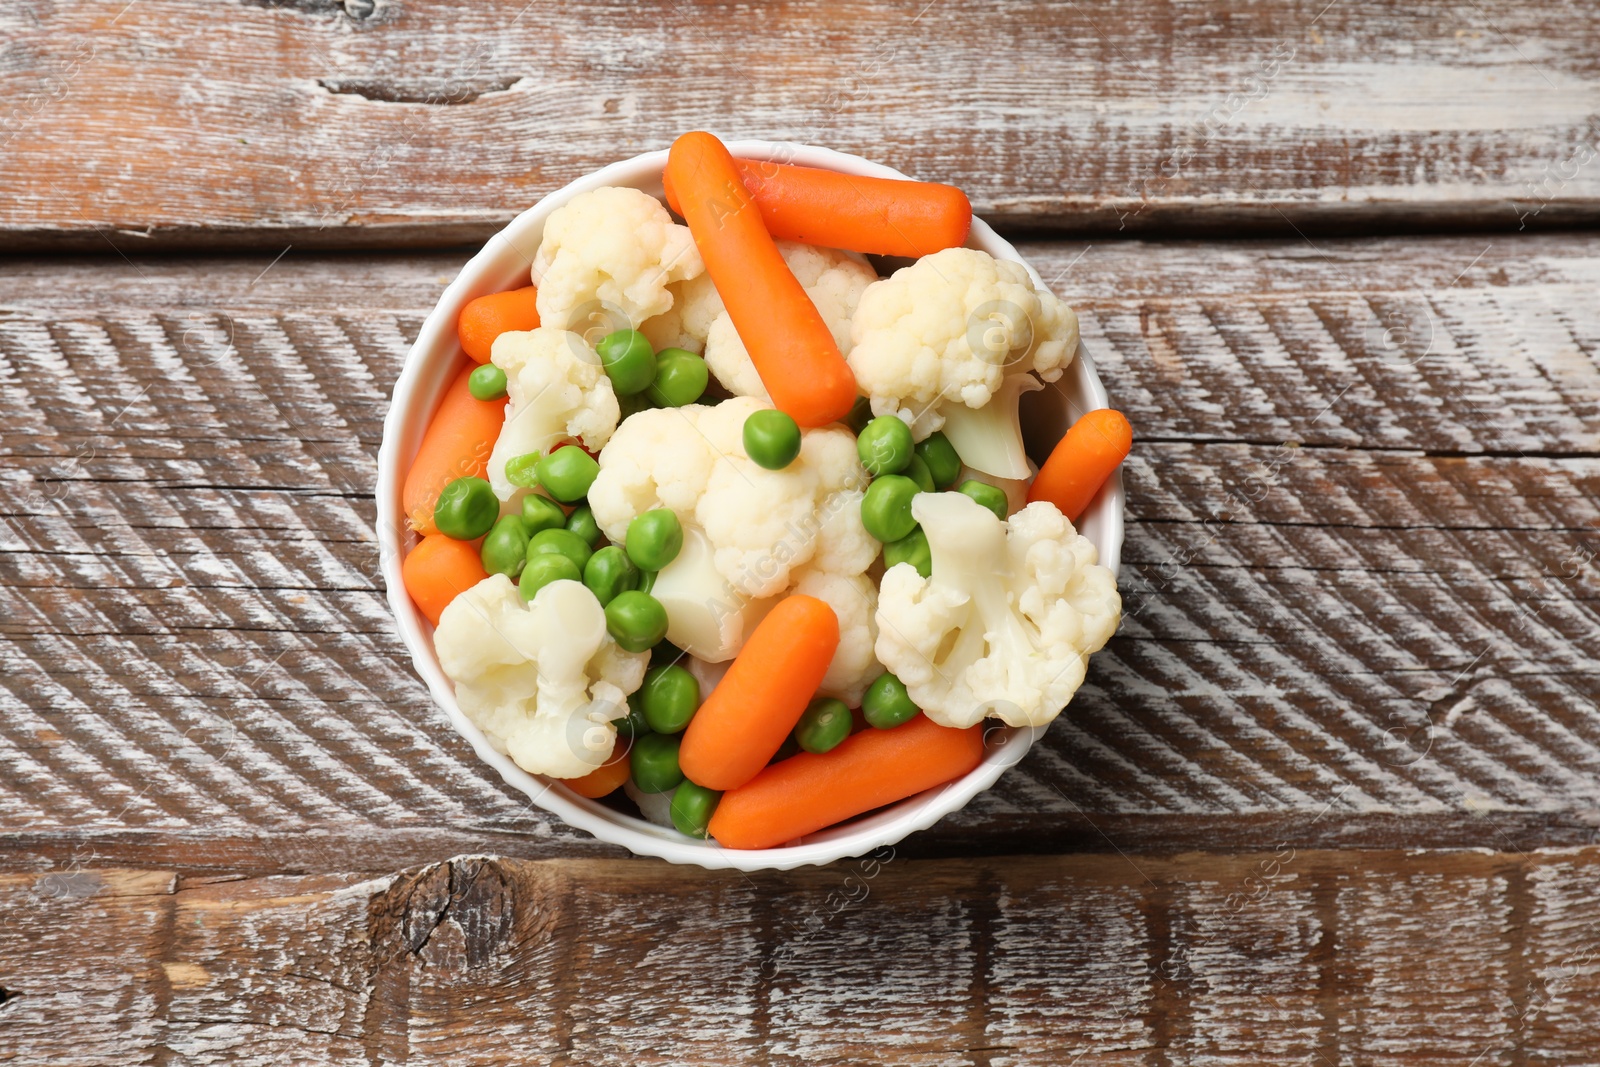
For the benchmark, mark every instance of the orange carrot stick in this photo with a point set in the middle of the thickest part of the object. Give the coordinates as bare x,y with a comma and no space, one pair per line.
457,445
755,706
1082,461
606,778
805,793
437,570
885,216
487,317
789,343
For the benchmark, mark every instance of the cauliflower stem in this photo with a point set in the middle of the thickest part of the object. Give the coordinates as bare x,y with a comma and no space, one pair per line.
989,439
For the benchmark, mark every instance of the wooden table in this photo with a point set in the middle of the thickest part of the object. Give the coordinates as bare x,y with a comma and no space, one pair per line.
1330,796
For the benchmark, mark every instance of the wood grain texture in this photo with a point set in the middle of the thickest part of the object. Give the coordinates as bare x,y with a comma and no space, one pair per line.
1293,957
1360,579
169,122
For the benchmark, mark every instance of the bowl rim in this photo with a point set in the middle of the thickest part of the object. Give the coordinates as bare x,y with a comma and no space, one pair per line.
423,371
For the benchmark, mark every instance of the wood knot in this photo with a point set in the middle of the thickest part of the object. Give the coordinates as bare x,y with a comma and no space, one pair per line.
470,900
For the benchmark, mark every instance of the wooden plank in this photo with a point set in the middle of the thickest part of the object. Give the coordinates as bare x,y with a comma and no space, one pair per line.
167,122
1282,956
1386,634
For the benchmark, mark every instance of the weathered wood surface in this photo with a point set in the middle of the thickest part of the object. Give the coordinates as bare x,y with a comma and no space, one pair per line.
1283,957
316,121
1385,633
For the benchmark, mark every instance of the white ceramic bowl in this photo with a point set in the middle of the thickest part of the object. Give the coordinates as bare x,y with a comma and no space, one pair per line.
504,263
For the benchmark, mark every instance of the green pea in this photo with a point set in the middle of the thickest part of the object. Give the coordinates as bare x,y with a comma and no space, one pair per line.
560,543
771,439
886,509
637,620
523,471
629,361
917,471
823,724
671,697
647,581
632,405
543,569
653,760
860,415
505,547
466,509
632,725
608,573
886,704
990,496
885,445
912,549
539,512
692,808
567,473
488,382
581,522
654,539
681,376
940,456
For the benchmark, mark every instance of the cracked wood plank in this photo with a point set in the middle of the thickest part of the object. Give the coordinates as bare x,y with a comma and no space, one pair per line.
1360,578
1282,956
376,121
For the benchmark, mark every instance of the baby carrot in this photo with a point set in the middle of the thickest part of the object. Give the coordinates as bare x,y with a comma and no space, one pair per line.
606,778
885,216
439,568
750,712
487,317
456,445
1082,461
807,792
791,346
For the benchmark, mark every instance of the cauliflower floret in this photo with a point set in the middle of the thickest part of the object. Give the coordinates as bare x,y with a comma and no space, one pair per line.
959,329
759,526
695,306
834,280
611,251
557,389
1006,624
843,544
853,599
543,680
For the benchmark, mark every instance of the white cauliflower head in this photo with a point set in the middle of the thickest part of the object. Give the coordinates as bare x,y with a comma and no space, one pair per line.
959,329
543,680
557,391
611,253
834,281
759,524
695,306
1005,625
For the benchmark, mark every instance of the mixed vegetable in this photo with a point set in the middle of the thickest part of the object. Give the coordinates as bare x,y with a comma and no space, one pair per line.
717,517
